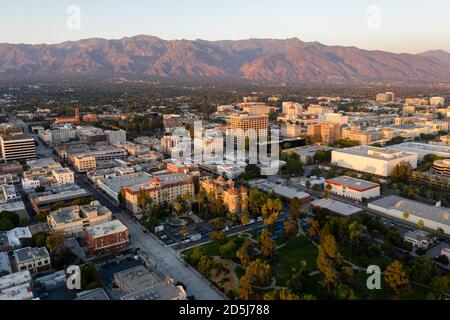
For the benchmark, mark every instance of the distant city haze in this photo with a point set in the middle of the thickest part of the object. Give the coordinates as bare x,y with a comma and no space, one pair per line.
396,26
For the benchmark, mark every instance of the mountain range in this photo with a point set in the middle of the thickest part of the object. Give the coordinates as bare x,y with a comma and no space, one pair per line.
290,60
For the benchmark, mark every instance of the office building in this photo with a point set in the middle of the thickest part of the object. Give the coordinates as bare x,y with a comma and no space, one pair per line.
437,101
243,125
17,147
377,161
354,189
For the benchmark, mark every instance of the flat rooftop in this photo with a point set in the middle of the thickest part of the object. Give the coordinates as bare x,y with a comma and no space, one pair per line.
28,254
15,279
374,152
338,207
136,279
419,209
161,291
117,183
106,228
47,198
15,137
357,184
423,148
5,264
94,295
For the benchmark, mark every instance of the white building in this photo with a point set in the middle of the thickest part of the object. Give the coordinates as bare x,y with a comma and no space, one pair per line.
63,176
437,101
292,110
355,189
433,218
116,137
423,149
33,259
377,161
337,118
16,286
17,147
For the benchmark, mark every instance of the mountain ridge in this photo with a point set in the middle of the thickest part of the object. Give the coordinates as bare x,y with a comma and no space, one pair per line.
288,60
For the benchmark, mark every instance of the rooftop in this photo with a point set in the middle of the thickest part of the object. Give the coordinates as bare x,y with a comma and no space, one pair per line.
106,228
15,137
15,235
117,183
419,209
337,207
94,295
357,184
136,279
5,264
160,291
28,254
374,152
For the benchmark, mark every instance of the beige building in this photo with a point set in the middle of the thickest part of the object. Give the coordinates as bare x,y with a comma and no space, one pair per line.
33,259
73,220
330,132
249,125
234,199
162,189
84,163
63,176
317,109
363,137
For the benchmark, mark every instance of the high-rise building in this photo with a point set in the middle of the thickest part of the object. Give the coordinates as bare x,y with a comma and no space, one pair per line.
249,125
116,137
386,97
330,132
17,147
437,101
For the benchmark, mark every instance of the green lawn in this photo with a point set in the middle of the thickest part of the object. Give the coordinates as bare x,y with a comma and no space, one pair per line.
290,257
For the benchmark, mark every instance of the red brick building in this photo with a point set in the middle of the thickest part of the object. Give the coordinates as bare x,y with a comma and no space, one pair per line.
106,238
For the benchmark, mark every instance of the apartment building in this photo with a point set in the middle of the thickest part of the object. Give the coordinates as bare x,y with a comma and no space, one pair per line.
162,189
83,162
363,137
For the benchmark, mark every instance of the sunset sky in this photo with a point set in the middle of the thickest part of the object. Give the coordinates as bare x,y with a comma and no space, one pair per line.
404,26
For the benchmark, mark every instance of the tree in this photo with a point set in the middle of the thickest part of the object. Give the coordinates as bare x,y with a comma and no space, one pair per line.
244,252
245,290
355,230
422,270
406,215
56,242
256,201
295,210
402,172
217,236
6,224
313,229
291,229
205,265
184,231
271,210
440,286
39,239
282,294
144,200
228,250
90,278
259,273
322,156
267,246
397,279
328,261
245,219
421,224
39,189
299,278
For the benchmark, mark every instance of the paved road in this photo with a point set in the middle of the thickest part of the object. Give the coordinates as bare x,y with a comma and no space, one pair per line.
165,258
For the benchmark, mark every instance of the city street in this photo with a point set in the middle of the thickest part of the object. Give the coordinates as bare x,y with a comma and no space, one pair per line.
165,258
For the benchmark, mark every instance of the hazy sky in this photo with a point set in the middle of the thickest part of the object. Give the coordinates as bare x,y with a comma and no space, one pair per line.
393,25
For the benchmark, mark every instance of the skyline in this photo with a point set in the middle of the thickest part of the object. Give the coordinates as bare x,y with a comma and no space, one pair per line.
371,25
